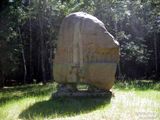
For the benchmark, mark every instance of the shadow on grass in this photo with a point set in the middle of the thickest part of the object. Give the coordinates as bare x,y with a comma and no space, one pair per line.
16,93
58,107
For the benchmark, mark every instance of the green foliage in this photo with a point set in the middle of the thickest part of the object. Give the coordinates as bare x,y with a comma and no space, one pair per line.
137,85
132,30
10,50
135,24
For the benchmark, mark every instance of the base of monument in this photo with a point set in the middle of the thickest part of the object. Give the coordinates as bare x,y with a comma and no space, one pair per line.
70,90
107,94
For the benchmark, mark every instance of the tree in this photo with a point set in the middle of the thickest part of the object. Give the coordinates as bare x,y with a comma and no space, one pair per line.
29,32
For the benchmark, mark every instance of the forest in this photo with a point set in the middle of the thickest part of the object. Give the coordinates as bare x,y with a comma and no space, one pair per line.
29,32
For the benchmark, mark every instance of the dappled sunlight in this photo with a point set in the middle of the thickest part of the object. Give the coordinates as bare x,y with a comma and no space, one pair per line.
18,93
127,105
14,108
53,48
37,105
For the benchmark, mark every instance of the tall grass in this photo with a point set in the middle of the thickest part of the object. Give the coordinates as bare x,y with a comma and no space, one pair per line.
133,100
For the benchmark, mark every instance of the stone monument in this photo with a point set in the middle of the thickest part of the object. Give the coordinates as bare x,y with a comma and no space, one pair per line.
86,53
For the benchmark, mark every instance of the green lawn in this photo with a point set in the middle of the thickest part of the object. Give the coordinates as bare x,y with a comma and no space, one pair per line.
132,101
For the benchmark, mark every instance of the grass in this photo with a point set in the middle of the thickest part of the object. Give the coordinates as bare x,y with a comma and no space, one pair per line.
133,100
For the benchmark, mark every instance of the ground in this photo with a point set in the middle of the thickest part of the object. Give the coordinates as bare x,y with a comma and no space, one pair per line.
133,100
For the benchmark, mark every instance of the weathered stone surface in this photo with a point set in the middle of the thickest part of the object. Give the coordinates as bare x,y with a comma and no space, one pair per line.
86,52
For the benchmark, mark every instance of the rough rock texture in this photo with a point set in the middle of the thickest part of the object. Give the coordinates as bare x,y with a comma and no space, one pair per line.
86,52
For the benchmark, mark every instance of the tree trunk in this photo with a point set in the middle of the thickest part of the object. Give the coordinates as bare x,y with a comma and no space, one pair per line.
2,78
23,57
42,54
119,76
50,59
156,56
42,44
30,51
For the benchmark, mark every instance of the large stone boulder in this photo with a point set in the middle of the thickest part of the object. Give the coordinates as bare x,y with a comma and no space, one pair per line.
86,52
